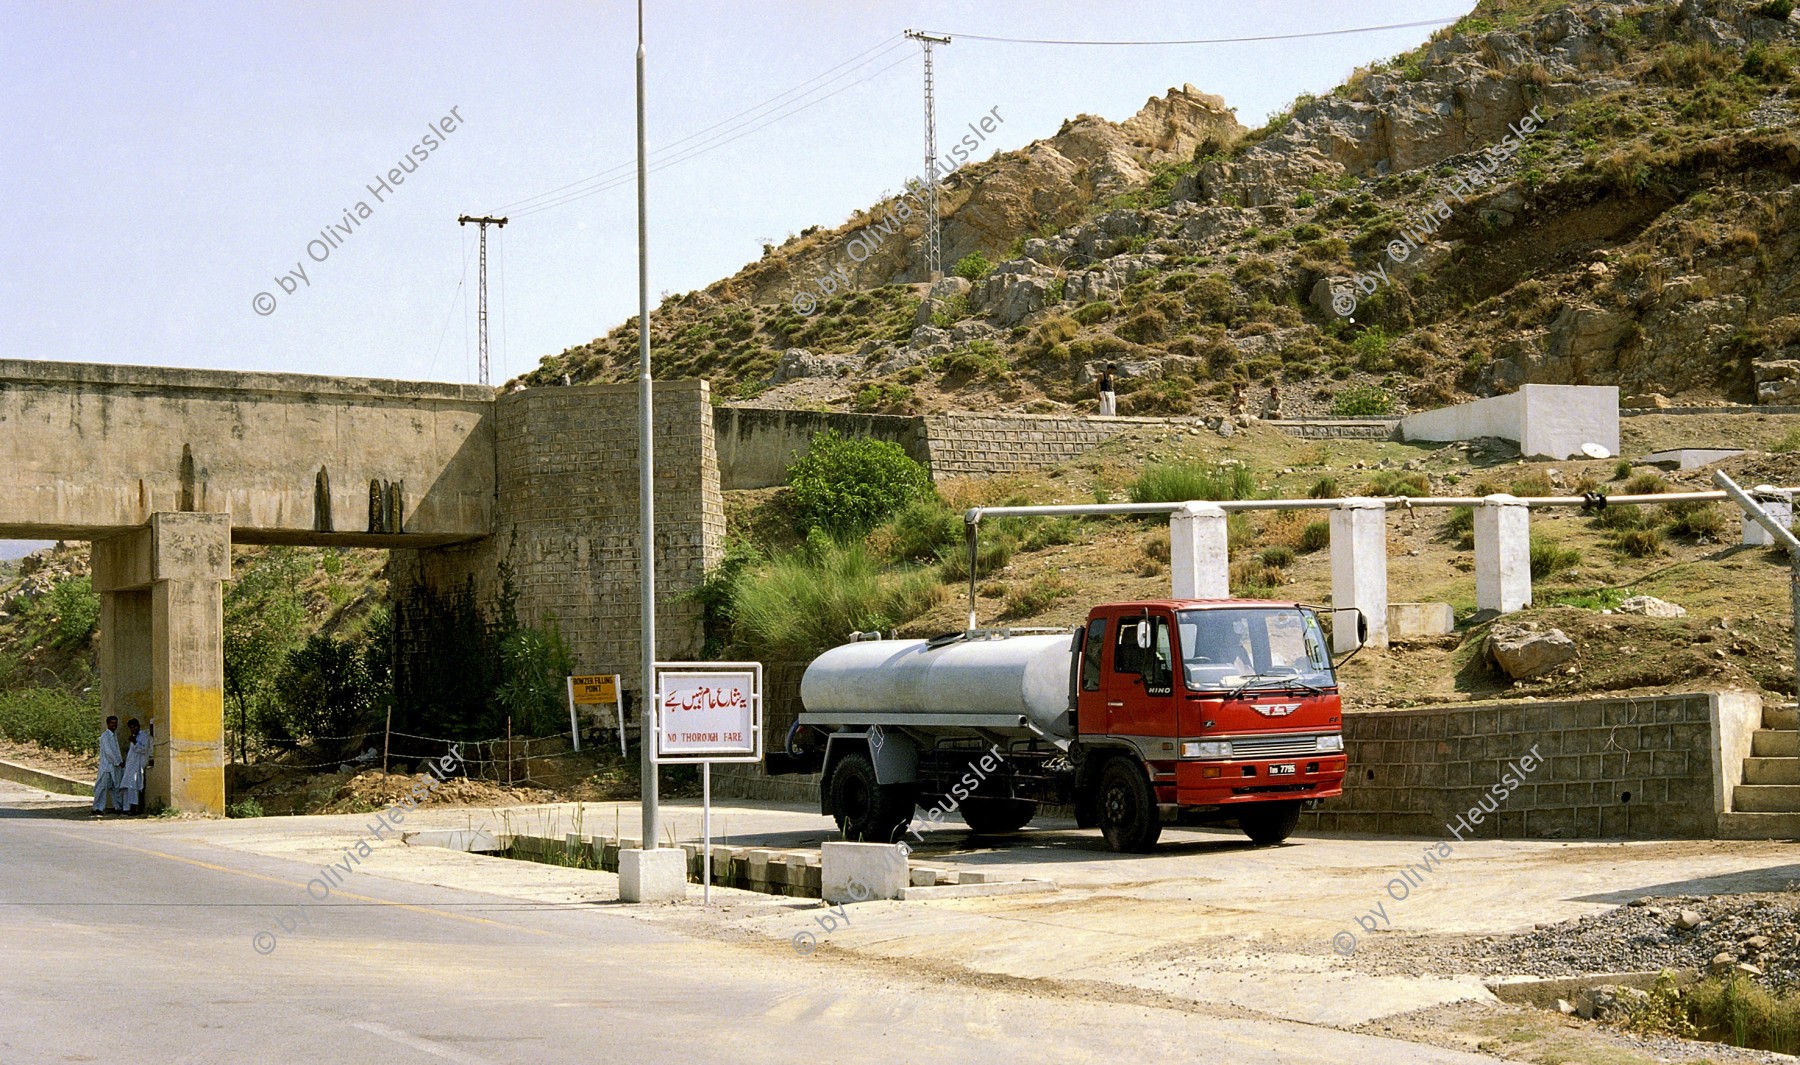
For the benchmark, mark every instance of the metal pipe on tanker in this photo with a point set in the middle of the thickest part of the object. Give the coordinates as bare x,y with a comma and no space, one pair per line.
974,537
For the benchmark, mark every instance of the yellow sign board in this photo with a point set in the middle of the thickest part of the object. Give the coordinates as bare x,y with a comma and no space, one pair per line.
602,690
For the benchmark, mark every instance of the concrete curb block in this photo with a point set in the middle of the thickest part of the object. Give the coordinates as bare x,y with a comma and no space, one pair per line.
973,891
44,781
1543,992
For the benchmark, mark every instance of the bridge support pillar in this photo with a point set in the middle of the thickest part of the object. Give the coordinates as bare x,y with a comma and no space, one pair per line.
162,649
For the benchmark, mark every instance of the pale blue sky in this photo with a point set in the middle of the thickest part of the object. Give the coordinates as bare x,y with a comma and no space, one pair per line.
163,162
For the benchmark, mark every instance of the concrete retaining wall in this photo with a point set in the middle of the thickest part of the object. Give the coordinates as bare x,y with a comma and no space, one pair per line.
756,445
981,445
1549,421
1660,767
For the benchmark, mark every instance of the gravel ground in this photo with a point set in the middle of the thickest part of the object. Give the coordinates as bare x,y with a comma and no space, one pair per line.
1759,930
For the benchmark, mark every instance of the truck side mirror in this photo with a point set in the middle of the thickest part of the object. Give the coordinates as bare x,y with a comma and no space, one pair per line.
1143,636
1362,627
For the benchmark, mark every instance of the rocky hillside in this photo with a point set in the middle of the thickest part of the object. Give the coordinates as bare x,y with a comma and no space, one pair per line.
1545,192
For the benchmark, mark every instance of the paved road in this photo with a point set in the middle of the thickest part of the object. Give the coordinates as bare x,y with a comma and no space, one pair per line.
119,944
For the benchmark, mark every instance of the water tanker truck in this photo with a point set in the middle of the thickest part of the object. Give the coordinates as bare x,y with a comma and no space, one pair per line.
1175,710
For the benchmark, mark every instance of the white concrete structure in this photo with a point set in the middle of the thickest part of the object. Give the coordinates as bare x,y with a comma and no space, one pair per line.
1502,554
1359,570
1690,458
858,872
652,876
1780,506
1546,421
1413,621
1199,555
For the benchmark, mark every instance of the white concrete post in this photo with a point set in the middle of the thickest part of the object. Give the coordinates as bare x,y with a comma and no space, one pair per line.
1502,554
1780,506
1359,570
1199,556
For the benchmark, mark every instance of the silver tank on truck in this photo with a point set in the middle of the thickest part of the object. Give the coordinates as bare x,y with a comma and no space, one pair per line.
989,683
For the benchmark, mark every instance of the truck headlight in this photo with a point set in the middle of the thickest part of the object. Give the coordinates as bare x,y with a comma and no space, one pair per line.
1331,742
1206,749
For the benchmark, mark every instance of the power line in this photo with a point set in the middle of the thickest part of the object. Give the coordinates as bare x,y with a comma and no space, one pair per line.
704,148
620,174
1222,40
460,281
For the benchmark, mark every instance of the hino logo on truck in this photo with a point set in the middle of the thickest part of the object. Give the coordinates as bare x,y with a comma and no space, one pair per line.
1276,709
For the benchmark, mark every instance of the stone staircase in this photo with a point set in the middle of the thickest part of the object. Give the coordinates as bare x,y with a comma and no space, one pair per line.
1767,804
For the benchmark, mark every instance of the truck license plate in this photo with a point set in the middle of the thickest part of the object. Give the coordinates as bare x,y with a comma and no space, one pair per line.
1285,769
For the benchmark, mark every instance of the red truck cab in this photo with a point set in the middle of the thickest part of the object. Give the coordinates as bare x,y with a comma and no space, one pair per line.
1231,705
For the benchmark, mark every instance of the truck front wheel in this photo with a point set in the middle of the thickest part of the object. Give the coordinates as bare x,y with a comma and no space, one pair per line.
1127,808
1268,823
866,810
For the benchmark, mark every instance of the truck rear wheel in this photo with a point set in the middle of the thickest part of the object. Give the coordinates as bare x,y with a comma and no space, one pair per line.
1127,807
1268,823
866,810
991,816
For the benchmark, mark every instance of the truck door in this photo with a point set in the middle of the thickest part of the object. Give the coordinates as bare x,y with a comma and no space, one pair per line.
1140,685
1091,713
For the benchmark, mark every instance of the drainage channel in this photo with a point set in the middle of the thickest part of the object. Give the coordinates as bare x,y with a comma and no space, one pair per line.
793,873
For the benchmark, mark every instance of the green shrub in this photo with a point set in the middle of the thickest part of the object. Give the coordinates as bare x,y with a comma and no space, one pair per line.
53,718
1536,483
1256,580
1325,487
1621,469
244,808
1618,518
1362,401
1547,558
1037,596
1399,483
1461,525
1304,200
1649,482
73,611
1695,520
1776,9
1639,543
848,485
1316,536
1051,533
806,601
1097,311
1178,482
536,663
323,689
992,552
1788,443
1739,1011
920,530
1277,556
973,266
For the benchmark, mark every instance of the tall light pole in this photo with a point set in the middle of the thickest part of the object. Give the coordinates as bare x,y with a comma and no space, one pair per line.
483,223
934,252
646,480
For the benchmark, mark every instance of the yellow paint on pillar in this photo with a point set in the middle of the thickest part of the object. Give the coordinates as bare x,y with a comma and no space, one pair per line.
197,748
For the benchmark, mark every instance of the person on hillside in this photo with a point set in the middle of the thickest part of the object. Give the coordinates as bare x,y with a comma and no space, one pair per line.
137,759
1271,411
106,781
1109,399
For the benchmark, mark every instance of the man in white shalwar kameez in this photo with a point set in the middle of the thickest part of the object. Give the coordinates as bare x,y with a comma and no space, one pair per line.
106,781
137,757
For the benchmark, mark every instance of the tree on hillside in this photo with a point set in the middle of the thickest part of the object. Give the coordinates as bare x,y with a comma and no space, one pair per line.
264,612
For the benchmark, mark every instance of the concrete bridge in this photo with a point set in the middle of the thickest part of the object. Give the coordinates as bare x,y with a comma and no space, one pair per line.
163,470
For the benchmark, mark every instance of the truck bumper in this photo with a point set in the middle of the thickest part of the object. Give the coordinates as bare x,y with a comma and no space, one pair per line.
1221,783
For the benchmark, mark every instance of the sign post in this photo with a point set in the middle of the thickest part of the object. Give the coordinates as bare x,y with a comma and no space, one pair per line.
597,690
707,712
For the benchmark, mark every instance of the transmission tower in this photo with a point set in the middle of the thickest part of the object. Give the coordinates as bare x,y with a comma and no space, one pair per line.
481,313
934,251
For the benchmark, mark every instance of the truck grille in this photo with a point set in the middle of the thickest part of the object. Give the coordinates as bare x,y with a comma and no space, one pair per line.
1273,746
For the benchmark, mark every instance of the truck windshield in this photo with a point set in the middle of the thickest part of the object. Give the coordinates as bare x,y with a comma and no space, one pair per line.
1229,648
